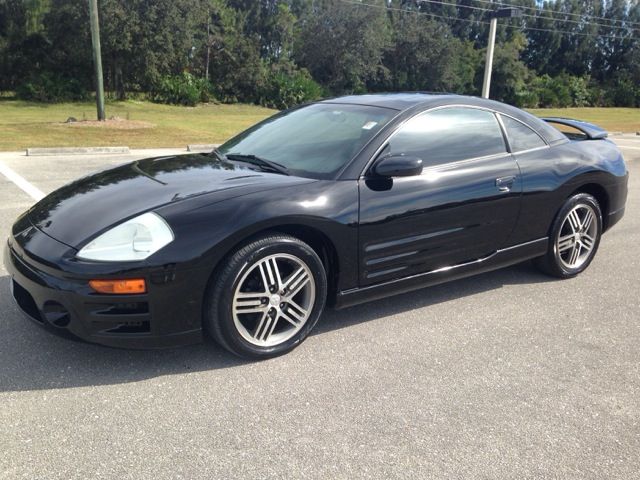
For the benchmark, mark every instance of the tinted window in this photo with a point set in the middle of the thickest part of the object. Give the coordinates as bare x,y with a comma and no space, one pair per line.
313,141
449,135
520,136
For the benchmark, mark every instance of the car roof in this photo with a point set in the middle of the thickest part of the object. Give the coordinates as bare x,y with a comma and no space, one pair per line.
396,101
423,100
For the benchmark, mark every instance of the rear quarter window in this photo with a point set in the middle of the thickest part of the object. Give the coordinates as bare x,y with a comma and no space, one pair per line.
520,136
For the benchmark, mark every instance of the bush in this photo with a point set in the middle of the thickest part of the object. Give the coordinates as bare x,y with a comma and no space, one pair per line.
184,89
579,90
285,90
51,88
552,92
622,91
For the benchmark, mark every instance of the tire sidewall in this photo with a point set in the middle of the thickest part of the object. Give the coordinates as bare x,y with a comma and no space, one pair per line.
579,199
240,263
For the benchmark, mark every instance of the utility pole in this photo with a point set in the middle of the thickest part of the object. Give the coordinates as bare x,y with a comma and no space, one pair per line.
97,57
488,66
206,71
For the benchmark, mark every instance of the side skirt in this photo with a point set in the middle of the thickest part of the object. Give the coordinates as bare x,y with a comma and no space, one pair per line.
501,258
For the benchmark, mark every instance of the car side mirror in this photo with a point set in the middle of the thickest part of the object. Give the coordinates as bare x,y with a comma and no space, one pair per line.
398,166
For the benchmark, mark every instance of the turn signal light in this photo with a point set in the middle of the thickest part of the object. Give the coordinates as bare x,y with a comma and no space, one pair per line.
119,287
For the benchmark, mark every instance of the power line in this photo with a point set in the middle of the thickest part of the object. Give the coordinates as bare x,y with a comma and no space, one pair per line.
528,15
469,20
403,10
579,22
551,12
455,5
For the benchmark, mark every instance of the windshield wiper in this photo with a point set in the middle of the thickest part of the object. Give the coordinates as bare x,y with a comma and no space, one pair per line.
263,163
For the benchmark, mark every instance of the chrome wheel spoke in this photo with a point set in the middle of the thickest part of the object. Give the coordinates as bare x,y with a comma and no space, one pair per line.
565,242
265,327
294,313
291,318
270,274
587,221
574,221
245,302
296,282
587,242
575,254
256,309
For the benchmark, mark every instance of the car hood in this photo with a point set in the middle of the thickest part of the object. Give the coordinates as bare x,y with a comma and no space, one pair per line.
79,210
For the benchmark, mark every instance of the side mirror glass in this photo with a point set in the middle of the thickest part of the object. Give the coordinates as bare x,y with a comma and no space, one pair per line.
398,166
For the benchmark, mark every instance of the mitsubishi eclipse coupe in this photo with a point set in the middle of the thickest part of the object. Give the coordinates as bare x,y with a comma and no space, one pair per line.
332,203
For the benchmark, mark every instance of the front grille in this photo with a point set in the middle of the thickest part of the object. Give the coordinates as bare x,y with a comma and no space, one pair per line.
120,318
121,327
133,308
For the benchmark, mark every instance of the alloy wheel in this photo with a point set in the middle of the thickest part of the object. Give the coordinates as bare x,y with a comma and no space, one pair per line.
577,236
273,300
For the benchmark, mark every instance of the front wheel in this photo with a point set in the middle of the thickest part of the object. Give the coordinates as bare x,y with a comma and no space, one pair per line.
267,297
575,237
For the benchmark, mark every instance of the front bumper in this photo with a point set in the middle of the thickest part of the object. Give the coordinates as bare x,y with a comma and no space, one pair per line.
168,315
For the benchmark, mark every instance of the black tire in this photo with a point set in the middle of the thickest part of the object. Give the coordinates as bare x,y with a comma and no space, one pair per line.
554,262
219,318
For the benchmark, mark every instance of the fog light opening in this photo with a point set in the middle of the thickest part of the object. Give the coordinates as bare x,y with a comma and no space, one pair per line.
56,314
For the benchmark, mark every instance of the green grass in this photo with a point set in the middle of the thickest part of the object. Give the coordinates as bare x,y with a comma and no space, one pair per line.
625,120
25,124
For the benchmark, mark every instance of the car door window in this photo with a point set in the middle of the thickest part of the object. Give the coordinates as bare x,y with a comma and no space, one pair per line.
449,135
520,136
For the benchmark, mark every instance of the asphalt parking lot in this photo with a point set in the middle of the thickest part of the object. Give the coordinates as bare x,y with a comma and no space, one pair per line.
505,375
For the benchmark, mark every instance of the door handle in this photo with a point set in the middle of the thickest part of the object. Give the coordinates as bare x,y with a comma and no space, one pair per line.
505,184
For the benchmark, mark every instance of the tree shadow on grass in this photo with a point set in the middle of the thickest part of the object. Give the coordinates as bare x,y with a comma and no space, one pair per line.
34,359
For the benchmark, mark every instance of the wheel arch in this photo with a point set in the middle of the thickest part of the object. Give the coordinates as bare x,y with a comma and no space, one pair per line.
601,195
322,245
312,236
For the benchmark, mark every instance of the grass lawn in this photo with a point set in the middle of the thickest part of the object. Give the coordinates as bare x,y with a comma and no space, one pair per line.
626,120
25,124
145,124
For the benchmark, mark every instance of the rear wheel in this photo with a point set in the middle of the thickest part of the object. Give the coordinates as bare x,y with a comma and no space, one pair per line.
575,237
267,297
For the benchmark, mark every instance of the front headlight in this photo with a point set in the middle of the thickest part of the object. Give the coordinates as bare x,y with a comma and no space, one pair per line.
135,239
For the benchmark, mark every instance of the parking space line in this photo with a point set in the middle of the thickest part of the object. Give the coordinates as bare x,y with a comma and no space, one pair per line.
630,148
21,183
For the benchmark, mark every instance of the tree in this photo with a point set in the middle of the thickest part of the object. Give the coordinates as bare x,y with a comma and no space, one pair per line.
510,74
343,45
422,56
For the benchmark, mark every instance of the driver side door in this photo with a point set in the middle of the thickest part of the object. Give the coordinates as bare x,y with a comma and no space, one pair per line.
462,207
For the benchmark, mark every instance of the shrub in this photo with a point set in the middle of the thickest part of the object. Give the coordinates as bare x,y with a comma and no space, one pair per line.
622,91
51,88
285,90
579,90
184,89
553,92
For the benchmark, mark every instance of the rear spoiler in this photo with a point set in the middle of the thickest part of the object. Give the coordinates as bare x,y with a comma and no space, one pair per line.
592,132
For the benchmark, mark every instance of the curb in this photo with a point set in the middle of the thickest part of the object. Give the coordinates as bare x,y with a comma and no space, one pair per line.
207,147
32,152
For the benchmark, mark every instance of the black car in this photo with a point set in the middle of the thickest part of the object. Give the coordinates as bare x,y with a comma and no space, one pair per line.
333,203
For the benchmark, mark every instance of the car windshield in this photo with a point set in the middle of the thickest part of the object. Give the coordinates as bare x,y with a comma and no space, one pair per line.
314,141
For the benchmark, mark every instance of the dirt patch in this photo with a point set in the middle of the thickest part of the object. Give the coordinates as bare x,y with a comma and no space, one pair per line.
114,123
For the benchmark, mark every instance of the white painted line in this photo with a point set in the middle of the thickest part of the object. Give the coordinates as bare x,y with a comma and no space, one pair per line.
21,183
628,148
